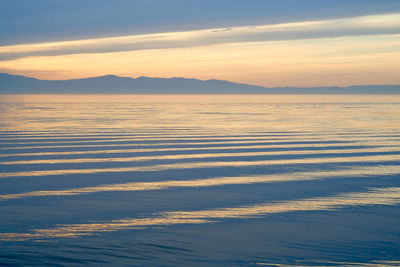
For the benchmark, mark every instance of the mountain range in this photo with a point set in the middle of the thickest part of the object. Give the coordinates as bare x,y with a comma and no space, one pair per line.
111,84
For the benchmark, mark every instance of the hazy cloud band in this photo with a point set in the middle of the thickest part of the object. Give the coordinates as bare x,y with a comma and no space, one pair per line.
356,26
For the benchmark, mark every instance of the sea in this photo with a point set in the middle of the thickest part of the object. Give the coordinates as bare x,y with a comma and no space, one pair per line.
200,180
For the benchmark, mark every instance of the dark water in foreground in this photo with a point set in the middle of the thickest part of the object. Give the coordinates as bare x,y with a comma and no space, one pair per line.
200,180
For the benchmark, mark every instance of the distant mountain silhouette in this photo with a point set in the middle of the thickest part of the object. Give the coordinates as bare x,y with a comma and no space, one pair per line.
110,84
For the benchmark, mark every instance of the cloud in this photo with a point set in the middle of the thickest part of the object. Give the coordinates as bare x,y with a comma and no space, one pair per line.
355,26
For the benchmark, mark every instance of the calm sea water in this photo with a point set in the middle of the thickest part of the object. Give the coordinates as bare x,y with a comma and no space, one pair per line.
249,180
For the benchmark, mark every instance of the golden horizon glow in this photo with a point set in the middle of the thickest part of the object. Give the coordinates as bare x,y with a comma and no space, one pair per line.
341,52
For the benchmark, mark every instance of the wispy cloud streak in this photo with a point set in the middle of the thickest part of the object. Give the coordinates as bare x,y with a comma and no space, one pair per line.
364,25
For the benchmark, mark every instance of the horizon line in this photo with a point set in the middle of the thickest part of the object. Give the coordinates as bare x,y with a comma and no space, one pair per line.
188,78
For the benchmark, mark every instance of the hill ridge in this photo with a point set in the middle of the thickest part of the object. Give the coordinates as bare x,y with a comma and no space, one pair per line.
113,84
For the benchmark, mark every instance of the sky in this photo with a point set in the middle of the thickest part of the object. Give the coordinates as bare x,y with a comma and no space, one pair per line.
261,42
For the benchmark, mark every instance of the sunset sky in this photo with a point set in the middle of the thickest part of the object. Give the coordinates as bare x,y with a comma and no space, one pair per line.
268,43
